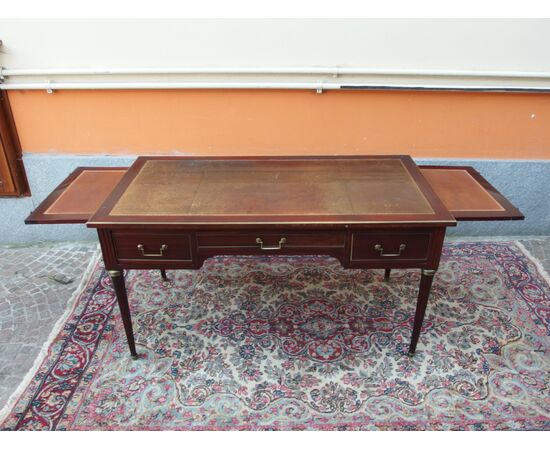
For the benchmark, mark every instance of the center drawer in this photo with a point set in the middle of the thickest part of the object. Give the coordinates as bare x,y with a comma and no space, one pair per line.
271,240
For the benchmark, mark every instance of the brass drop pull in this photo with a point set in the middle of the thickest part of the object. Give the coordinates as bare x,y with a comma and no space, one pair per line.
163,248
279,247
380,249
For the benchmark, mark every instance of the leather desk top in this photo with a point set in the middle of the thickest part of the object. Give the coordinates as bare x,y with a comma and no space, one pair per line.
388,189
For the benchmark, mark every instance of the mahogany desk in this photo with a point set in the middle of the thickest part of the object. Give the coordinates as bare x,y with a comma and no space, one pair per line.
373,212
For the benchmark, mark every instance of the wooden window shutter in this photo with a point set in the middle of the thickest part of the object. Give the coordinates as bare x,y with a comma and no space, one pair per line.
13,180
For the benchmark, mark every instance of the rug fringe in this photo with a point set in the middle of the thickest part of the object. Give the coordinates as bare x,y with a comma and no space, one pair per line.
535,261
14,397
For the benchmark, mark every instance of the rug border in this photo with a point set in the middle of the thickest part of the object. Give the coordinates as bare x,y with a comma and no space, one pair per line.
58,326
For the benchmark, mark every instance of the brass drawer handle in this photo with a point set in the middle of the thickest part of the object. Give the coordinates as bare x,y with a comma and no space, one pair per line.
163,248
279,247
380,249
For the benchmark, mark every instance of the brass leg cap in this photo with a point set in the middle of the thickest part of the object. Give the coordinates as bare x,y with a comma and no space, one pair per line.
134,357
411,354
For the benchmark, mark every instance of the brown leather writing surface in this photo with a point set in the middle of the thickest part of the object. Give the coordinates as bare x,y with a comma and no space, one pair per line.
86,193
278,188
459,191
79,196
467,195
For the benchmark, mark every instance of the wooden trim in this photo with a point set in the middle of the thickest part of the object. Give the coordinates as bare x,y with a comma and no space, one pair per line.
12,172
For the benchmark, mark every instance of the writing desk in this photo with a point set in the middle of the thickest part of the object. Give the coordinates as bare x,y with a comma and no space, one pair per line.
373,212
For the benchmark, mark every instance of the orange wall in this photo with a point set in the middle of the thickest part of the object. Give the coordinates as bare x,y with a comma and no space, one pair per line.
216,122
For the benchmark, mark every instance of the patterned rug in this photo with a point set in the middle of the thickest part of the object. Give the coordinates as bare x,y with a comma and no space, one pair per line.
300,343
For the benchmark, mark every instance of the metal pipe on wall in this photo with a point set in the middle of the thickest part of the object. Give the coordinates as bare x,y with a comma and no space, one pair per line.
317,86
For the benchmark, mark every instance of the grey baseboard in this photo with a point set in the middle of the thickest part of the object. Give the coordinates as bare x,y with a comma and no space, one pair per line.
524,183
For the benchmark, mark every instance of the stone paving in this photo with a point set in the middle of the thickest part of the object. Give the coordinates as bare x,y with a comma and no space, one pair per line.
540,249
36,282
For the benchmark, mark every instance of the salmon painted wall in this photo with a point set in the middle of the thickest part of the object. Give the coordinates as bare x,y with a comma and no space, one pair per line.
253,122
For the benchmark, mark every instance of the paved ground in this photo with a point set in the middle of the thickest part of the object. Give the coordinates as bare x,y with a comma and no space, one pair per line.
36,283
540,249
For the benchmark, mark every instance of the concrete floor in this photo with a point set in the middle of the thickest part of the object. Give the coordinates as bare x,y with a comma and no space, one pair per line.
36,282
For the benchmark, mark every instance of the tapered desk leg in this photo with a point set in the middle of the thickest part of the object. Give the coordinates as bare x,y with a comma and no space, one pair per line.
387,274
122,298
421,303
163,275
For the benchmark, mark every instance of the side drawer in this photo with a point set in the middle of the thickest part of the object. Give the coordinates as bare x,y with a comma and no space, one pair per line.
382,246
161,247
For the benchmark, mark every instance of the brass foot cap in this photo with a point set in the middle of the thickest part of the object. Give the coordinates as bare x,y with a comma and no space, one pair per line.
134,357
411,354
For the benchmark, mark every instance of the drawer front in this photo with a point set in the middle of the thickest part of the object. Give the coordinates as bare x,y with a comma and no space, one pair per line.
271,240
396,246
157,246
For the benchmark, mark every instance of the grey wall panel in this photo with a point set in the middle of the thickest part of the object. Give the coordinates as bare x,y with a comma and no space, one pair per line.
44,173
524,183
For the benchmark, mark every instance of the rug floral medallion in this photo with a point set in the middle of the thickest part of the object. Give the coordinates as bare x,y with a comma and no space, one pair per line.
300,343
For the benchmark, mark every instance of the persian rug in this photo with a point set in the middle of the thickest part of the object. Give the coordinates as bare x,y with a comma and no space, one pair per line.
291,343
